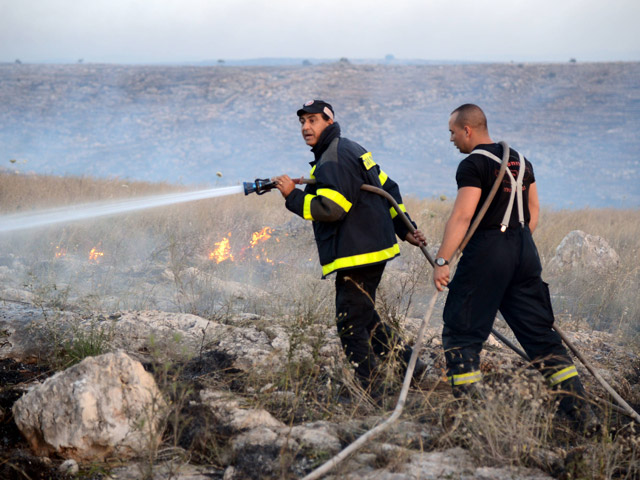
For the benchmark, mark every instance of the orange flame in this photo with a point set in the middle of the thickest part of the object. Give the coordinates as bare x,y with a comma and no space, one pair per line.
222,251
266,259
60,252
261,236
95,255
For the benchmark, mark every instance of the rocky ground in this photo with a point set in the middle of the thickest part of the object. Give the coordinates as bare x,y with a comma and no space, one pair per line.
243,373
186,123
255,397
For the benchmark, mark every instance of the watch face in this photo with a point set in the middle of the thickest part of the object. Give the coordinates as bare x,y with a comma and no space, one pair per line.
440,262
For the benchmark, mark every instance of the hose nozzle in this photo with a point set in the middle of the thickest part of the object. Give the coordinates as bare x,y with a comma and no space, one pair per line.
259,186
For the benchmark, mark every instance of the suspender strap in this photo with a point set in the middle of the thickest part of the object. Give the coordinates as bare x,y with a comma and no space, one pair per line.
516,188
519,191
485,205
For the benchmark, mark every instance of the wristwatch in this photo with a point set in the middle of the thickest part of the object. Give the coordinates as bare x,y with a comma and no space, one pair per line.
441,262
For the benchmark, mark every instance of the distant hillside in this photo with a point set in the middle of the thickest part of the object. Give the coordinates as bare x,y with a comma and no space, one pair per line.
577,122
279,61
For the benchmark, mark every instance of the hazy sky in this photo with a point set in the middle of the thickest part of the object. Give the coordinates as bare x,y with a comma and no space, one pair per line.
139,31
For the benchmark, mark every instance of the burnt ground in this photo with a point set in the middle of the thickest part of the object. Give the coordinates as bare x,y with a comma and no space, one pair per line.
16,459
18,462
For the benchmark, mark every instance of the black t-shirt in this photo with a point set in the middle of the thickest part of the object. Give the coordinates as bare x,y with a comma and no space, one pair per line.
480,171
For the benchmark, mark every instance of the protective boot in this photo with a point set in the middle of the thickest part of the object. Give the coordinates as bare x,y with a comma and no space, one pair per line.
470,392
418,374
574,407
373,385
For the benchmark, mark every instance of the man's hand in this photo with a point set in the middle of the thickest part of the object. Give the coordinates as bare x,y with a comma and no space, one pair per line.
441,277
416,238
284,184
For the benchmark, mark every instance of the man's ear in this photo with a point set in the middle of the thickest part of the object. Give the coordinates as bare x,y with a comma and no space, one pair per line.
467,130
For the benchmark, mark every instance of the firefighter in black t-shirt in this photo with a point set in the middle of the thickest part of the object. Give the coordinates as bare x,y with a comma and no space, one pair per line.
500,269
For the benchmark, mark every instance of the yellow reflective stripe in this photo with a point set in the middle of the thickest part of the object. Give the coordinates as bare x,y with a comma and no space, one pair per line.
306,209
367,159
393,212
562,375
336,197
361,259
383,177
313,169
465,378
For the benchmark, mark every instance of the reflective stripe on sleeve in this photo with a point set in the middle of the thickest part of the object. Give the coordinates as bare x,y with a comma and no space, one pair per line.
562,375
336,197
393,212
361,259
465,378
306,209
383,177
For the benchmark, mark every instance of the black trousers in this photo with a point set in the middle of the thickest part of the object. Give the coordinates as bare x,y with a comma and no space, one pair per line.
500,271
364,336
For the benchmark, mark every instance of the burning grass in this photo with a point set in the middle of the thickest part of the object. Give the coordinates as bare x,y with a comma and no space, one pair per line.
188,256
219,257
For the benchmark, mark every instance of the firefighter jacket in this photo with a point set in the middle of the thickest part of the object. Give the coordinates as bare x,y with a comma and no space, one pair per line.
352,227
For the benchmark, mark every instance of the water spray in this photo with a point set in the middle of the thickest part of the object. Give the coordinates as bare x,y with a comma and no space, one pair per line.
43,218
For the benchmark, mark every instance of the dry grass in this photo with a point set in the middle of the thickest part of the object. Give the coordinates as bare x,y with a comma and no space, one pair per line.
492,428
20,193
180,238
606,300
160,259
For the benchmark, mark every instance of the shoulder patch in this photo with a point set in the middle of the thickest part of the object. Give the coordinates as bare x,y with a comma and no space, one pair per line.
367,161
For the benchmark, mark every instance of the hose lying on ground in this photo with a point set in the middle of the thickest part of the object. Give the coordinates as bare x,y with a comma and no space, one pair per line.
627,408
369,435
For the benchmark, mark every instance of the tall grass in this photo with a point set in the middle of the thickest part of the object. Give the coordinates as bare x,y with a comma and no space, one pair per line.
159,259
606,298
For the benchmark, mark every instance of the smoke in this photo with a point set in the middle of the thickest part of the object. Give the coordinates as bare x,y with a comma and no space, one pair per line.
162,257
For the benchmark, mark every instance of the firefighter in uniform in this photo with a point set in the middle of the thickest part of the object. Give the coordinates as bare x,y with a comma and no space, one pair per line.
355,234
500,269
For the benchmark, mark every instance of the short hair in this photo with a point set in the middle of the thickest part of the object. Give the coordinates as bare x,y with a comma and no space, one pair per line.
471,115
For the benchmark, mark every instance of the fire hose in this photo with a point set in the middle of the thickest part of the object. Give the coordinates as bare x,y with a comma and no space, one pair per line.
260,186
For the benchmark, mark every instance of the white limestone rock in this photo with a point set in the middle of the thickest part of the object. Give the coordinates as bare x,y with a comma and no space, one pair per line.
582,250
232,414
102,406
